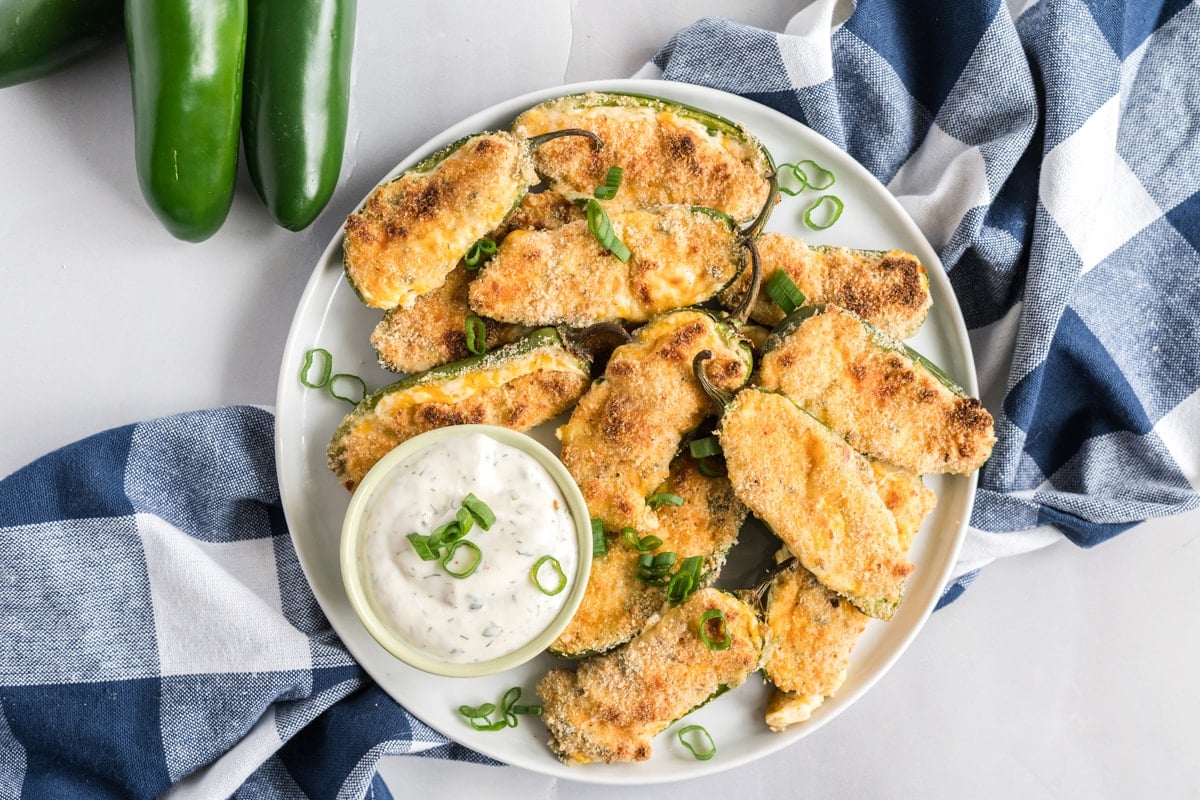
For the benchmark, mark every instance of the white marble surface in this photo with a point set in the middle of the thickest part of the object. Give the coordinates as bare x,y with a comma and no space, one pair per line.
1063,673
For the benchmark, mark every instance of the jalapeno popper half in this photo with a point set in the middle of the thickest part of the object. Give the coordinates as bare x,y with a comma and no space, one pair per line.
818,496
670,153
518,386
612,706
680,256
620,598
886,401
620,440
433,330
810,633
889,289
811,630
412,230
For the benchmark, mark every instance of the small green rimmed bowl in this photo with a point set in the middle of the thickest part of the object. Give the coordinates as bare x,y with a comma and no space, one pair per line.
354,563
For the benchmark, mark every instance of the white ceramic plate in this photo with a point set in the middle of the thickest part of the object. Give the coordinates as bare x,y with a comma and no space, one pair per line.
330,316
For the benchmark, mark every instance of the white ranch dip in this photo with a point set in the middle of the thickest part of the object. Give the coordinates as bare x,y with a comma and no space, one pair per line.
498,608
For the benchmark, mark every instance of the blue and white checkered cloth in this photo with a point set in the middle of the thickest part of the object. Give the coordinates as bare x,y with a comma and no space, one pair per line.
158,635
1050,153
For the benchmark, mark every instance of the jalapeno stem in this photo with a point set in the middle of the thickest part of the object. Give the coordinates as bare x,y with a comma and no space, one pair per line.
597,342
741,312
542,138
760,590
718,395
758,223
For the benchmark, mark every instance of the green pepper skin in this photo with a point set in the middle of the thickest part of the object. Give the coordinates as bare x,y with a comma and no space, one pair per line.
295,104
186,61
38,37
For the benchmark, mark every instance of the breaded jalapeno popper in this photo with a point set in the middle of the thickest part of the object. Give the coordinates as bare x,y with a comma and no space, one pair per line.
620,440
433,331
412,230
811,630
611,707
699,516
670,153
680,256
518,386
818,495
810,634
886,401
889,289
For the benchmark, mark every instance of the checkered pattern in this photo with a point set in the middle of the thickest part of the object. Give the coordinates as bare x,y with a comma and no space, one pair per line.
1049,153
159,637
158,633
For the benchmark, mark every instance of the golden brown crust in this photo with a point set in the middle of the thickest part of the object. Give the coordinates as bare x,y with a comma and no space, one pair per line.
810,634
612,706
619,441
680,257
411,231
889,289
877,398
617,604
520,404
709,520
906,496
819,497
433,330
666,158
539,211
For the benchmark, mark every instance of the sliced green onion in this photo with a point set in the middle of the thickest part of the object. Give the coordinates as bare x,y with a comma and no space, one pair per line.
480,718
830,216
446,534
685,580
612,182
465,520
663,499
601,227
510,708
708,748
470,567
599,545
703,448
711,467
327,380
420,543
784,184
553,562
506,703
477,252
343,376
476,335
480,510
309,356
723,640
784,291
655,569
640,543
824,178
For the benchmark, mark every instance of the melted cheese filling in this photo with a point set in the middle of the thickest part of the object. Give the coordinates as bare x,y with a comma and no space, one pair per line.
464,386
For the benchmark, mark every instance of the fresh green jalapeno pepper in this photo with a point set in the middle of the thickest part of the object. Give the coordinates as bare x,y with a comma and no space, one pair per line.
186,60
38,37
295,102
